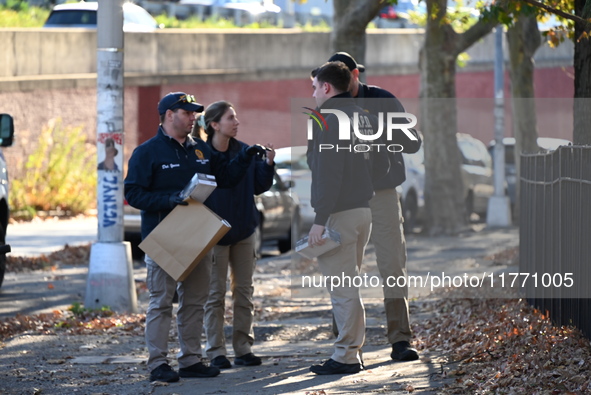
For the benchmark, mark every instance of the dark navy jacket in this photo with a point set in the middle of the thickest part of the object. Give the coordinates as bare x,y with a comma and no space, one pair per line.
380,100
161,167
236,205
341,180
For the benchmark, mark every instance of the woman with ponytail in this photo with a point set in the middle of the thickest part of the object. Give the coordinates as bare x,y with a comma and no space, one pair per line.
236,250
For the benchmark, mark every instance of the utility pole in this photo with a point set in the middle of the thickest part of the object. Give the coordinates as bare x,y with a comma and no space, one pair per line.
499,212
110,273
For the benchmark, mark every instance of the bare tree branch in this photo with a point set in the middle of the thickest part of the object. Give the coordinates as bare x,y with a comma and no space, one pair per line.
563,14
473,34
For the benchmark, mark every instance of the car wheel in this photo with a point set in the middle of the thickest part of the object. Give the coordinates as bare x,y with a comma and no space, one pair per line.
293,236
410,212
258,240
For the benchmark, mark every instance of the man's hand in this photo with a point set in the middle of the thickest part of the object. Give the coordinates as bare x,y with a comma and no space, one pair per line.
175,200
315,235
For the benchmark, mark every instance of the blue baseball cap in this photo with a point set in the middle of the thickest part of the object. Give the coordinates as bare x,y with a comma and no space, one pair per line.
175,100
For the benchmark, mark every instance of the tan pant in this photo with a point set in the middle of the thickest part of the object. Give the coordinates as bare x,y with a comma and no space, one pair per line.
354,226
388,238
192,294
240,257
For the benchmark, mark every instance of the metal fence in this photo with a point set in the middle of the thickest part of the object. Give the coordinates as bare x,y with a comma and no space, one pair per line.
555,234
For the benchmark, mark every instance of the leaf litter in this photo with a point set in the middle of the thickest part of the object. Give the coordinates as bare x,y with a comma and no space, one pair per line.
487,346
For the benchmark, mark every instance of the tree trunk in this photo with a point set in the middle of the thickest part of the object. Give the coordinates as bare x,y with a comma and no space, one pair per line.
524,39
445,194
351,18
582,66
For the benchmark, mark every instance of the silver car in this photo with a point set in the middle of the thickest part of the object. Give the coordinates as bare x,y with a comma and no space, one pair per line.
477,176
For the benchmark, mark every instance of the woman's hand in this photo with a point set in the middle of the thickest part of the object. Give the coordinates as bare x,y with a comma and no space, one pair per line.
270,154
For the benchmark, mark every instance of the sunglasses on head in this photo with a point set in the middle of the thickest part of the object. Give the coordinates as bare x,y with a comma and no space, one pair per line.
184,99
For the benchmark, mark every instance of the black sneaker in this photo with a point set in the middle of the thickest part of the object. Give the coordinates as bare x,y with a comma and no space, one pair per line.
199,370
333,367
402,351
248,360
164,373
221,362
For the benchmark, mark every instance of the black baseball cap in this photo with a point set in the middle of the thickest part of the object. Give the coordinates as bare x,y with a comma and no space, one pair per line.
348,60
175,100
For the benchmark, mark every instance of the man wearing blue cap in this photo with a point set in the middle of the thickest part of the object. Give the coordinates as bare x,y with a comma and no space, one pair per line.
387,233
157,171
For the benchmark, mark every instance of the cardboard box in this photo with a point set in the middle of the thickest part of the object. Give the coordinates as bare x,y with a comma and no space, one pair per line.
183,238
332,240
199,188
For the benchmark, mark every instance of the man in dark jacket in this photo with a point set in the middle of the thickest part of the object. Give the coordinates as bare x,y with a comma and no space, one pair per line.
341,190
157,171
387,232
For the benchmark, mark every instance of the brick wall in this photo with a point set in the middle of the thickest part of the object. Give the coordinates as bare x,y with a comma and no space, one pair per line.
264,108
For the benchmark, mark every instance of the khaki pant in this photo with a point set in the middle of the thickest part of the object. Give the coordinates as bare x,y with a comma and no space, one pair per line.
192,293
388,238
240,257
354,227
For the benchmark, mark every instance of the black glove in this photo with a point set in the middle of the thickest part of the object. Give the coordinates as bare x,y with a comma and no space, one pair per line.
257,150
175,199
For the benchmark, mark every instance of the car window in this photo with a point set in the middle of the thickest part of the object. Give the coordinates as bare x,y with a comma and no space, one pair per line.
138,16
484,154
471,154
72,17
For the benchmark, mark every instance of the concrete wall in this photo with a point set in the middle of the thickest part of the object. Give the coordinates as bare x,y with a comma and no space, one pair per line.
36,53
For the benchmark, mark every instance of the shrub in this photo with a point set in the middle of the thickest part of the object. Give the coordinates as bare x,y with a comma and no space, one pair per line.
18,13
59,175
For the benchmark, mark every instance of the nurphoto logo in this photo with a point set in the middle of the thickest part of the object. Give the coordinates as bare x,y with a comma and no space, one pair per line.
316,116
360,140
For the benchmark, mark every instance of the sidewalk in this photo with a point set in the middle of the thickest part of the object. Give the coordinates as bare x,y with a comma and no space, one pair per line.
291,335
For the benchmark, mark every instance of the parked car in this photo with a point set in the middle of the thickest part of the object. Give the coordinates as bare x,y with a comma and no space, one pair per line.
412,190
248,11
280,217
477,173
396,15
545,143
84,14
6,137
292,166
